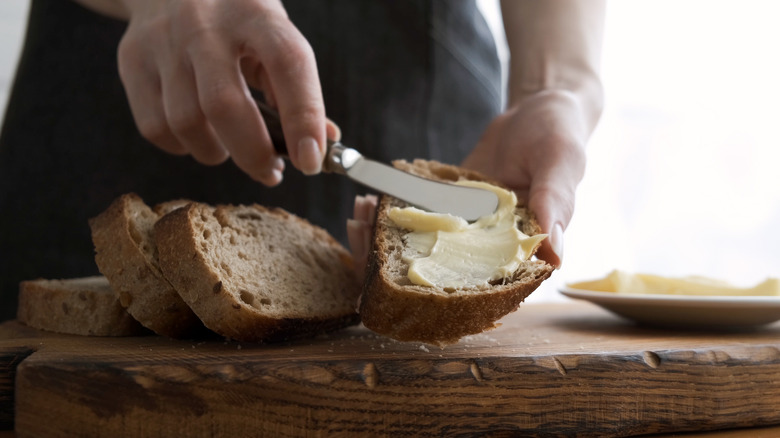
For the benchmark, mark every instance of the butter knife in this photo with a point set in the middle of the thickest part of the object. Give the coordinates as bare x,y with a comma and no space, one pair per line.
470,203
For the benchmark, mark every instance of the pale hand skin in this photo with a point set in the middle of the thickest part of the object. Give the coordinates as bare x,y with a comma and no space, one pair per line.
359,230
187,67
536,149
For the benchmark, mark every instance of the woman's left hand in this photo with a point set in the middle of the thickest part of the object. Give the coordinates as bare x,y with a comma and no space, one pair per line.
537,148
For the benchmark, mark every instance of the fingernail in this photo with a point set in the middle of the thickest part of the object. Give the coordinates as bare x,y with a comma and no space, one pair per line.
279,164
309,156
556,242
272,177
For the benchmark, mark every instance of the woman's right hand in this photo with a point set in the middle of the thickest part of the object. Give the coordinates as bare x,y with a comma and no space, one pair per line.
187,67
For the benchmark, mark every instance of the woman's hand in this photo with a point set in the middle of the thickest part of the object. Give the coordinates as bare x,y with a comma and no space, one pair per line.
188,65
359,230
537,148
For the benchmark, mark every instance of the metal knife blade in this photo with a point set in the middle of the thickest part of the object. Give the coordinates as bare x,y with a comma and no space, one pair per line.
470,203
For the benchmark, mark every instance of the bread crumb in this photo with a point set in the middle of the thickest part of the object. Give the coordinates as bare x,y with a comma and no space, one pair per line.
424,348
481,337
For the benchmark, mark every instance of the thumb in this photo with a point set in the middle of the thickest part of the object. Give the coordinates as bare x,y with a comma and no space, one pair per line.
553,207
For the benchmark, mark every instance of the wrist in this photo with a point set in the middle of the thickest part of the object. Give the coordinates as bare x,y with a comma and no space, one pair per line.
586,95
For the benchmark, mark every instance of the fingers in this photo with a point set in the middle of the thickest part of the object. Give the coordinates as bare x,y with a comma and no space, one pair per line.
182,64
186,119
229,108
552,219
289,62
365,209
143,88
359,231
551,197
359,237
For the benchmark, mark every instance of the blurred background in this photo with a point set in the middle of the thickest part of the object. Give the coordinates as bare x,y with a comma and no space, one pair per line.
683,174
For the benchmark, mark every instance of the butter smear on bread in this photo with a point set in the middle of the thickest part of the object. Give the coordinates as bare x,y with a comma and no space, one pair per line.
446,251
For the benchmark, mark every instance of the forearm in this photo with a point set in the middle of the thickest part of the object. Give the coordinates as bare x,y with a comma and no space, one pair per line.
555,45
110,8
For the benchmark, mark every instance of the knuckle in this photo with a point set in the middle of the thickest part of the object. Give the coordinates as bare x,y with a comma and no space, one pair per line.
153,129
219,101
186,119
306,113
129,58
290,53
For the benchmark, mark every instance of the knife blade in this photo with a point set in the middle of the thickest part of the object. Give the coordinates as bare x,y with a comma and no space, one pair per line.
470,203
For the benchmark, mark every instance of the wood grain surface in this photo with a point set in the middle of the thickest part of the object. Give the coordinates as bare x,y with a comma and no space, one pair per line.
568,369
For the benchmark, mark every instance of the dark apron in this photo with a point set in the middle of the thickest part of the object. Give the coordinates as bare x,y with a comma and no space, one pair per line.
403,79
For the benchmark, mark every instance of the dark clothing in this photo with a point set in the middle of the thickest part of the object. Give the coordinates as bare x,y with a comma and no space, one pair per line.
403,79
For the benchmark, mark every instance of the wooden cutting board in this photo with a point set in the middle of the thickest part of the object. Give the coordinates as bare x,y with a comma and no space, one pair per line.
550,369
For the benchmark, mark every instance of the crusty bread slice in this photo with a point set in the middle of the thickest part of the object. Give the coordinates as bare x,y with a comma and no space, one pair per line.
257,274
395,307
78,306
125,253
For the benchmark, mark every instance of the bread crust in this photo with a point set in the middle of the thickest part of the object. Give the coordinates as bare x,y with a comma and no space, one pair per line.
125,255
406,312
79,306
218,301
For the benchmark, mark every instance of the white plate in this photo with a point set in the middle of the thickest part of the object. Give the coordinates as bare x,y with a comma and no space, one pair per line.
685,310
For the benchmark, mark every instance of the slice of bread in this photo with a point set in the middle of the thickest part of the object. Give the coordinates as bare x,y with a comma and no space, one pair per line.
78,306
257,274
125,253
395,307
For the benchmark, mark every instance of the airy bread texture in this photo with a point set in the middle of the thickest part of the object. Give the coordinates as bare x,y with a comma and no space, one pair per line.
126,254
78,306
257,274
395,307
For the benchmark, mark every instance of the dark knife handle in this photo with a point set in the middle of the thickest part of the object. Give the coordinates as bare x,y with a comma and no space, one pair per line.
274,125
333,161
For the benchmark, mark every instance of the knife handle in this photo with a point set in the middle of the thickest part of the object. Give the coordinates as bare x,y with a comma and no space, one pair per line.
274,125
338,158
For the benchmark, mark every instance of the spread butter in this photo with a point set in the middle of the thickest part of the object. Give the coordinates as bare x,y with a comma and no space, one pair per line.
446,251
